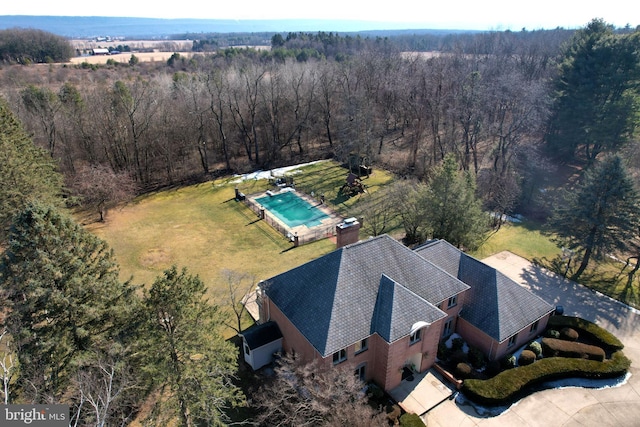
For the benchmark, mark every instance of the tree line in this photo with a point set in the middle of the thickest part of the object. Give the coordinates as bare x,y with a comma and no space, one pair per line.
220,113
27,46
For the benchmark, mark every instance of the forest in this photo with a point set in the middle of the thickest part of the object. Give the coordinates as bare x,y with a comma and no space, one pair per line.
486,98
539,123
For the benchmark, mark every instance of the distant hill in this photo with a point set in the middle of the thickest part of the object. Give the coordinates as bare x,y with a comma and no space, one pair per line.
153,28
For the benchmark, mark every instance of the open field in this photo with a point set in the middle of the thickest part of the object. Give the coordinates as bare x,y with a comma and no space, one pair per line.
124,57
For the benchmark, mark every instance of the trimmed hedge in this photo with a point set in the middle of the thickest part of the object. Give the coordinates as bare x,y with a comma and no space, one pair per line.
586,328
527,357
560,348
569,334
514,384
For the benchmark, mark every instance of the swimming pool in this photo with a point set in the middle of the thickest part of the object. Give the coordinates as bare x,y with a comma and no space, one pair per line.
291,209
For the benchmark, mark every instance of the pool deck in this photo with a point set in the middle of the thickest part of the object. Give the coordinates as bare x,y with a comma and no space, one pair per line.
331,220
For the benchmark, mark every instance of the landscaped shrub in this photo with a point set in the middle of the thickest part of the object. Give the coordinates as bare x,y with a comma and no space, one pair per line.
552,333
587,329
536,348
463,371
444,352
457,344
508,362
411,420
393,413
527,357
552,347
458,356
513,384
569,334
476,357
374,391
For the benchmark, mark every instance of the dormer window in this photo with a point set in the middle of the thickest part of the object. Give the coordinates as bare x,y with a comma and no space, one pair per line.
415,337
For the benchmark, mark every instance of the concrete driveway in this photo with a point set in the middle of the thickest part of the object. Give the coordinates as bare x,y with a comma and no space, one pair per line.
619,406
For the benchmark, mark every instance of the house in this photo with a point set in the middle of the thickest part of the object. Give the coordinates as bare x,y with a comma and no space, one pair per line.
382,308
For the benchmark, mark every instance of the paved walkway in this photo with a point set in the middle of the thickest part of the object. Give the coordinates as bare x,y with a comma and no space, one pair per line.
619,406
422,393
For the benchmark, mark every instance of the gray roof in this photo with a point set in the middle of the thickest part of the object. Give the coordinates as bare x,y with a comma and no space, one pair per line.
258,335
376,285
495,304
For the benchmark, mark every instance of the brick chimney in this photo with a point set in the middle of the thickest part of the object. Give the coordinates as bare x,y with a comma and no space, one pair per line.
347,232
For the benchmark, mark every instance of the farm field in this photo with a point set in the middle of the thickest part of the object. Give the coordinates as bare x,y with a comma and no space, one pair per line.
124,57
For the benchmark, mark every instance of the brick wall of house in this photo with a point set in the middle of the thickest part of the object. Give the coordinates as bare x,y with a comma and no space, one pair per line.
293,338
523,337
400,352
475,337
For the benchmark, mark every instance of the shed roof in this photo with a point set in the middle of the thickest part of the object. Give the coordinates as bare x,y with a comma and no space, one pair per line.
257,336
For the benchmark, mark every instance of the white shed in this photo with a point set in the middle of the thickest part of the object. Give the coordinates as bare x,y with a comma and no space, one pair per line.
260,343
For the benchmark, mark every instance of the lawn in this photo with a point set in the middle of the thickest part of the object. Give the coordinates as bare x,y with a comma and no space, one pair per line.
525,239
203,228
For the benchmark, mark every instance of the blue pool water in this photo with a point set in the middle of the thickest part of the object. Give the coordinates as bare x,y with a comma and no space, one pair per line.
291,209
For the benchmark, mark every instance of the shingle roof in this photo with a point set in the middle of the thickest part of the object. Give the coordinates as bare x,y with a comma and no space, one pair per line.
258,335
495,304
396,308
338,299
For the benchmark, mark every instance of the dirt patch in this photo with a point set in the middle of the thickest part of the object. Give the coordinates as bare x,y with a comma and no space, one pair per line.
156,258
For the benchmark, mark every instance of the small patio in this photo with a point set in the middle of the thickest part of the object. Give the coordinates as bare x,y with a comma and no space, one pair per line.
423,393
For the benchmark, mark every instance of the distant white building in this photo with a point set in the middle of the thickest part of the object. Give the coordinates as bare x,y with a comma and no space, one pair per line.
100,51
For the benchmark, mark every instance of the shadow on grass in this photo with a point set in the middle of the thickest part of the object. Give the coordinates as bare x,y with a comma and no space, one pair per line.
608,282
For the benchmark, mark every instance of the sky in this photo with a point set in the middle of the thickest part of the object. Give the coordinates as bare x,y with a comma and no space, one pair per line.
445,14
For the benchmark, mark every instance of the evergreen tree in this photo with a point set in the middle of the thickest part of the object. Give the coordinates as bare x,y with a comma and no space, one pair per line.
26,172
602,214
452,210
64,297
595,107
187,356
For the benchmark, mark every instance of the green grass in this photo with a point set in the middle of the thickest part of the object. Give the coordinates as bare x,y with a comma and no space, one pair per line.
203,228
525,239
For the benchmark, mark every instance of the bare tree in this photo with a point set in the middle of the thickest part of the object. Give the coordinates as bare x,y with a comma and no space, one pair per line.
313,395
105,385
379,211
8,367
238,290
101,189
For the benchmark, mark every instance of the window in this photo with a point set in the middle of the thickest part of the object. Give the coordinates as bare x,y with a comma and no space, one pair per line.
360,372
446,331
512,340
534,327
339,356
247,351
452,301
362,345
415,337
